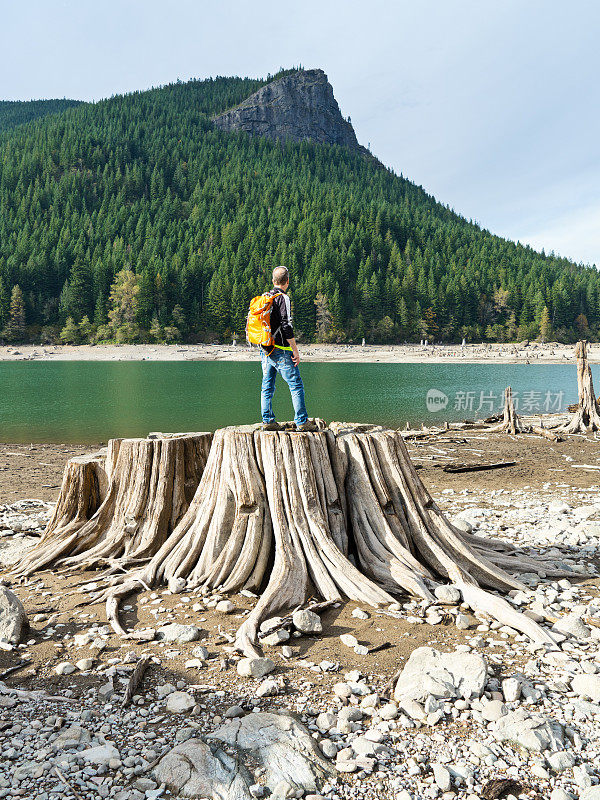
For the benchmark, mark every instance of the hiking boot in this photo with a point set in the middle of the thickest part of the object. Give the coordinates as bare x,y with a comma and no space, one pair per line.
309,425
272,426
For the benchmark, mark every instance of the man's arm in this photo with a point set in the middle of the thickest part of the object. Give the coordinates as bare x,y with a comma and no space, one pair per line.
286,327
295,351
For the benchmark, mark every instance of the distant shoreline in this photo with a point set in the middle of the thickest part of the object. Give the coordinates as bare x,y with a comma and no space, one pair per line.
535,353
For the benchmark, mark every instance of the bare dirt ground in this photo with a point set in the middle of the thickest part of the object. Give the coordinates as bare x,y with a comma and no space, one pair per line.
529,503
35,471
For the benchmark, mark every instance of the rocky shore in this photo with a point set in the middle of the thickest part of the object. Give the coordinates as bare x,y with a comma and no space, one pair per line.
477,711
523,353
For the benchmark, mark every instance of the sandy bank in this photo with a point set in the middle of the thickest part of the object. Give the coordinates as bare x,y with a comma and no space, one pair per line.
550,353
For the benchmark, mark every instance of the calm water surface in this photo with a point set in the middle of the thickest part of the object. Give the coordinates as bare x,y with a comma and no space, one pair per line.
92,401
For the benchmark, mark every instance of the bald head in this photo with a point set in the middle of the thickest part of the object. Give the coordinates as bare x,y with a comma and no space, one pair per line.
281,276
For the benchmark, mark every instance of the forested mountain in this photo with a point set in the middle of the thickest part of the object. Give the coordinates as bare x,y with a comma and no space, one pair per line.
16,112
135,219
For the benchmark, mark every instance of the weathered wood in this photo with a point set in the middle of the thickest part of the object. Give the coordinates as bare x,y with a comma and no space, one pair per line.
118,509
587,417
135,680
511,422
70,788
84,487
338,513
477,467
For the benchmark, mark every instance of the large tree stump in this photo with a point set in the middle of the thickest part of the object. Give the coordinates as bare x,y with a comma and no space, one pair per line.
586,418
337,513
118,513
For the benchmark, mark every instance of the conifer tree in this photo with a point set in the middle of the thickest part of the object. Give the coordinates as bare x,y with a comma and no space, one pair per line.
4,305
323,317
15,327
70,334
123,311
545,325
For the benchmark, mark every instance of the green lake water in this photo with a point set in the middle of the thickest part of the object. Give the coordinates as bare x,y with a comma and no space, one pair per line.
90,401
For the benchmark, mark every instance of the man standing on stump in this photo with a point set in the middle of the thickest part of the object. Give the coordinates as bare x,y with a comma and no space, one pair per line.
282,357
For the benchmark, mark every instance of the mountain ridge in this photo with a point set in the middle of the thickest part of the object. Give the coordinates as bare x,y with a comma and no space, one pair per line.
137,218
19,112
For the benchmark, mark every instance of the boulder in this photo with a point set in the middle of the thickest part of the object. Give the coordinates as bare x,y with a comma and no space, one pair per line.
72,736
179,633
441,777
282,745
194,769
447,594
254,667
442,675
587,686
277,637
101,754
307,622
268,688
533,732
561,761
180,702
572,625
64,668
493,711
177,585
511,689
12,616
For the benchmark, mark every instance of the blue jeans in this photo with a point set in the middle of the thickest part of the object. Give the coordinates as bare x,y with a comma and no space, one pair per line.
281,361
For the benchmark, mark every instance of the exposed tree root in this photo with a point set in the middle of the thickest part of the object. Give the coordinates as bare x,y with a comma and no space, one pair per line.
336,513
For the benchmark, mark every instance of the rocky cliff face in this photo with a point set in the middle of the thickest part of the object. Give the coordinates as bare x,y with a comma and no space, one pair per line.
300,107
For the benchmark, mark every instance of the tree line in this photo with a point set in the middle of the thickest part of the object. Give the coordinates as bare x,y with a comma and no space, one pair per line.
133,219
18,112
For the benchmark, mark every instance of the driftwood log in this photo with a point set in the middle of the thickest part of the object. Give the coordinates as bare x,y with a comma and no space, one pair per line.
586,417
116,508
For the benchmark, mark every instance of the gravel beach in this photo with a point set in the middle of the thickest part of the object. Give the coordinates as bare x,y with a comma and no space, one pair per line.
500,719
535,352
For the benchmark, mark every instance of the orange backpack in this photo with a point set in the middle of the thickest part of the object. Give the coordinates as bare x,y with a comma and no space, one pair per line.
258,324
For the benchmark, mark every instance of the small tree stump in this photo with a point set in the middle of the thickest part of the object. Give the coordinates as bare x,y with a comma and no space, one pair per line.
513,424
121,512
84,487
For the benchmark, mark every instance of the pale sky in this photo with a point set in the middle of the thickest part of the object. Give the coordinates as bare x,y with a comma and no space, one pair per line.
490,105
